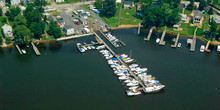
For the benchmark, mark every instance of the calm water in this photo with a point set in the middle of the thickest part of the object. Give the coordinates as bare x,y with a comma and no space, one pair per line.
64,79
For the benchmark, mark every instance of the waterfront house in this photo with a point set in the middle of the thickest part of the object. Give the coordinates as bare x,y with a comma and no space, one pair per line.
15,2
128,4
183,18
2,3
197,17
7,31
59,1
185,4
216,18
68,30
83,15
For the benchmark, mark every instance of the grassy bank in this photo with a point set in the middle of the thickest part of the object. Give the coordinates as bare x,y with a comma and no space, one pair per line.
69,1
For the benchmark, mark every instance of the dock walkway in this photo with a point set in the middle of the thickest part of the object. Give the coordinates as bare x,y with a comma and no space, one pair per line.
162,42
176,41
149,34
141,83
193,44
18,48
74,36
35,49
207,45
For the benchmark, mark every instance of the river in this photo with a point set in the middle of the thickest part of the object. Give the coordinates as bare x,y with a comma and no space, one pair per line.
64,79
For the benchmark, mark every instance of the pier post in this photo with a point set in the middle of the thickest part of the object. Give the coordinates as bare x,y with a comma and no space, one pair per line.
139,28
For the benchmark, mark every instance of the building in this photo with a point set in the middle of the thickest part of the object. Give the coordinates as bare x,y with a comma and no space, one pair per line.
128,4
118,1
2,3
185,4
15,2
68,30
216,18
183,18
84,15
7,31
83,21
176,27
59,1
197,17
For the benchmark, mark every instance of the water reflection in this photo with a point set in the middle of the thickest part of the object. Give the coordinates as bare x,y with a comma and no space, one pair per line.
55,46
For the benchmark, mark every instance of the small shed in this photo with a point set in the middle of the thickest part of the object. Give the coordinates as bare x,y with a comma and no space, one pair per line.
139,5
176,27
183,18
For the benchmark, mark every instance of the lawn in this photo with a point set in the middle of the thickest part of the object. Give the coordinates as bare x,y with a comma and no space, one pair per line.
85,7
128,16
187,12
69,1
184,25
2,23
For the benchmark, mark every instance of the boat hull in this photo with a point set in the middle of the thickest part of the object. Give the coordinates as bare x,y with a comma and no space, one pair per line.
156,91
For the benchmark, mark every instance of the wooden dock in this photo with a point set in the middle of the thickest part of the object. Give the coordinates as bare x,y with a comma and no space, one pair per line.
18,48
73,37
35,49
207,46
149,34
139,28
193,44
176,41
132,74
162,42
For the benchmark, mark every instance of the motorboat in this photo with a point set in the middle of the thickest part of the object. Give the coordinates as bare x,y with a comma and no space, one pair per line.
179,45
92,47
154,89
80,48
202,48
123,77
133,87
132,84
88,47
23,51
218,48
157,40
133,93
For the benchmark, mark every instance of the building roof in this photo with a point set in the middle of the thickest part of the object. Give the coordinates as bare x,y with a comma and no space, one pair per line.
216,18
83,15
66,27
131,3
197,14
82,20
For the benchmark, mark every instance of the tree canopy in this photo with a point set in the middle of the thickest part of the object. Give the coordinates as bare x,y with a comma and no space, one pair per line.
19,20
54,29
98,4
37,28
22,33
160,16
213,28
13,11
109,8
202,5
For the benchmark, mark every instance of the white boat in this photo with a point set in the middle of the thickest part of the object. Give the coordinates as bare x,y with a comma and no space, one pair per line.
88,47
133,93
133,87
132,84
123,77
202,48
218,48
84,47
179,45
80,48
23,51
93,47
157,40
154,89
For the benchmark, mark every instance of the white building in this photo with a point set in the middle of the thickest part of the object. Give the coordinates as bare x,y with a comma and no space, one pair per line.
7,31
2,3
69,30
118,1
59,1
15,2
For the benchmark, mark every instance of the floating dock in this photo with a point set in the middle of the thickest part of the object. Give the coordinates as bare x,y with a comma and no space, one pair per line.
176,41
132,74
18,48
73,37
112,41
35,49
149,34
207,46
162,42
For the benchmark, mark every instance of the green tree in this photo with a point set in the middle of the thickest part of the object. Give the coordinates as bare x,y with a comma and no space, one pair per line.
21,33
33,16
213,28
202,5
0,11
210,12
29,8
54,29
109,8
19,20
37,28
13,11
1,40
98,4
40,4
173,3
191,5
